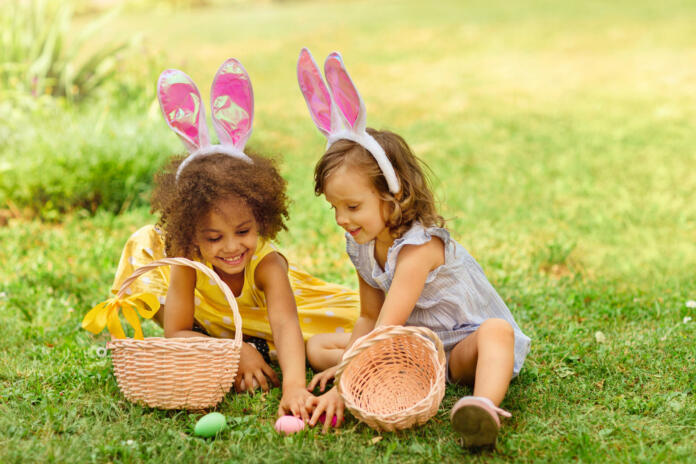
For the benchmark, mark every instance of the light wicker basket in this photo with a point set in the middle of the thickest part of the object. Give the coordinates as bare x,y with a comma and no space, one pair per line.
394,377
177,373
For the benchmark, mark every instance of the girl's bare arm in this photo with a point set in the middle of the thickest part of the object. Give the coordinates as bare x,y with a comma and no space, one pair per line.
371,300
178,315
272,278
412,268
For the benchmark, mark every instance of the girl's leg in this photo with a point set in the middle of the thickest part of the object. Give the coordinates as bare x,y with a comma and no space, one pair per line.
325,350
485,359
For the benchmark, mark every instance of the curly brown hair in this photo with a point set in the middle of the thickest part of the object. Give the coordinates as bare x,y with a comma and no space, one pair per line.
183,202
415,201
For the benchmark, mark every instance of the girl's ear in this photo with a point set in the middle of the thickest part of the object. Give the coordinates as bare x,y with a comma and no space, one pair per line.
391,212
232,104
182,108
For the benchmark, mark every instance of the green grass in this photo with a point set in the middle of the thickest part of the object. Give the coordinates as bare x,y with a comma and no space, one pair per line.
561,137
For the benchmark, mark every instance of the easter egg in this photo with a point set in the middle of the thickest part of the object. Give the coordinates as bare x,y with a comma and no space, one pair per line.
322,419
289,424
209,425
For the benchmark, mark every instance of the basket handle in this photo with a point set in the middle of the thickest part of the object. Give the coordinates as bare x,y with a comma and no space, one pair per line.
386,332
205,270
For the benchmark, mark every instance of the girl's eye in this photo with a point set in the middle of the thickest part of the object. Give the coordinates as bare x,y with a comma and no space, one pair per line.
352,207
243,232
213,239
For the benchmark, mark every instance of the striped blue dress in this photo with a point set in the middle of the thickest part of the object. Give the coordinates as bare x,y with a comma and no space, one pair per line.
457,296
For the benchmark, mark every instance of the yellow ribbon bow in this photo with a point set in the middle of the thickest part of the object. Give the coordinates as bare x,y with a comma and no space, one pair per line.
106,314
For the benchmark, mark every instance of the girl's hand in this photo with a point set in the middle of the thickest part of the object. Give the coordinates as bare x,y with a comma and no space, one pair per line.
253,367
295,401
322,378
331,404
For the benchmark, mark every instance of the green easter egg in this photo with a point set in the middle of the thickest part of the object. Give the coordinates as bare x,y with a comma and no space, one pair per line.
209,425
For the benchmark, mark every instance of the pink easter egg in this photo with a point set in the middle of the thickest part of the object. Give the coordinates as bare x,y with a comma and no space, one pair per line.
322,419
289,424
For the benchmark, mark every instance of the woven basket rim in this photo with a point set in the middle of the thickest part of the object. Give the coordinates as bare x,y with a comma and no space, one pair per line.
176,339
176,343
386,332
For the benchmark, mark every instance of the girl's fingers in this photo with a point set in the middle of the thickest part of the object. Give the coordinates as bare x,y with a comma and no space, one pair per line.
313,382
261,379
239,381
303,412
310,404
324,380
294,410
317,413
339,416
248,382
268,370
328,417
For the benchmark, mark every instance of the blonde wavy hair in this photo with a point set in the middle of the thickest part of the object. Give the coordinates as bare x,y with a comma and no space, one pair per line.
415,201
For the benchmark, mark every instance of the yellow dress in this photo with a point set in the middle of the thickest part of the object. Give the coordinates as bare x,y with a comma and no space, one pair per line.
321,306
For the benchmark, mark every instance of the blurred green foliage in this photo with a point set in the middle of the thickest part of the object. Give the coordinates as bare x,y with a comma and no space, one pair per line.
41,54
71,107
91,159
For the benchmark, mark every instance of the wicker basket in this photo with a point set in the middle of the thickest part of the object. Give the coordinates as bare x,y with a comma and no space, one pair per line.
394,377
177,373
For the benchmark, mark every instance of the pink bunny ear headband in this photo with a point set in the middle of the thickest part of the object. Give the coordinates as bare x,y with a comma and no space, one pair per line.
338,111
231,105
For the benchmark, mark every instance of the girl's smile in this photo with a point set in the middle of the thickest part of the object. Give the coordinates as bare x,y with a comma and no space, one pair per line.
234,261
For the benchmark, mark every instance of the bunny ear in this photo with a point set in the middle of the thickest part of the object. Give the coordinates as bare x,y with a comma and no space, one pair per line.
232,104
344,93
314,90
182,109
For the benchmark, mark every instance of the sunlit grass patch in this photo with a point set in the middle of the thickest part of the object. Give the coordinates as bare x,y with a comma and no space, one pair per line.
560,136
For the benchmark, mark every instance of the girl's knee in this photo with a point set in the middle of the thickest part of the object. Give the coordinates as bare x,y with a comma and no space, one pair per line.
315,347
313,344
498,328
325,350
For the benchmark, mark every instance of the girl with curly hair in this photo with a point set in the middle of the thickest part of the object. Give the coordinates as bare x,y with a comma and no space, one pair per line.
223,207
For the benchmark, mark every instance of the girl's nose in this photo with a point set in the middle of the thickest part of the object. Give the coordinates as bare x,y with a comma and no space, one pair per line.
341,219
231,245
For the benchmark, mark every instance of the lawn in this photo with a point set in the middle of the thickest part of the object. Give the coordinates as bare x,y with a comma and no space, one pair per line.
561,138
